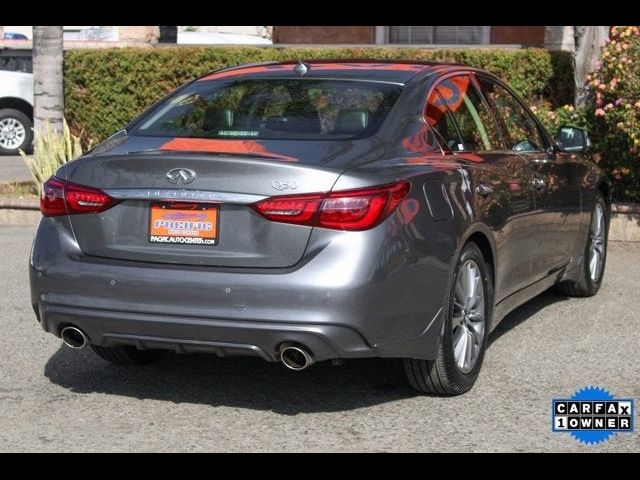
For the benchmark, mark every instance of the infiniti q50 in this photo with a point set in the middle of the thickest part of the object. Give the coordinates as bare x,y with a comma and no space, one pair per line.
302,212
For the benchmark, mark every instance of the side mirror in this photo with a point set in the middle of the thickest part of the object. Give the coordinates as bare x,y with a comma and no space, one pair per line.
572,139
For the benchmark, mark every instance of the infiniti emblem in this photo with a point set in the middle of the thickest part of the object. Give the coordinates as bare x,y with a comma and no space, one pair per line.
183,175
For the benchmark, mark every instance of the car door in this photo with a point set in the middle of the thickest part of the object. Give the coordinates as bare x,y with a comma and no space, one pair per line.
555,181
504,199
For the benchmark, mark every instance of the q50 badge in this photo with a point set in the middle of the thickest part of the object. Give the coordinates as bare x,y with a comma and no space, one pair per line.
284,185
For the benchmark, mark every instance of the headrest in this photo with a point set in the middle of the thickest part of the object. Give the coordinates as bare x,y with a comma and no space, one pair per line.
351,121
296,121
217,119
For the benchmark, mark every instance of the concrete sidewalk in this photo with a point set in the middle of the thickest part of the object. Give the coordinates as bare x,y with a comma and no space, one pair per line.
13,169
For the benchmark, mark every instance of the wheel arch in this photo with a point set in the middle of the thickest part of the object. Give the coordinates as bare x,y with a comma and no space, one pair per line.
17,104
482,236
481,239
605,190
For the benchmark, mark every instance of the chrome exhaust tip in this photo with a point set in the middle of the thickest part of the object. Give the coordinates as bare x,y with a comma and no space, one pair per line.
73,337
295,358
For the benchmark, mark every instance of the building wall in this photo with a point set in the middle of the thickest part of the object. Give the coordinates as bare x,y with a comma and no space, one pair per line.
261,31
522,35
560,38
555,38
530,36
139,34
324,34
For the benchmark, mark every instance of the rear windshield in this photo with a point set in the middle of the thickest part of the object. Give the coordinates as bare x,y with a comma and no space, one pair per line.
273,109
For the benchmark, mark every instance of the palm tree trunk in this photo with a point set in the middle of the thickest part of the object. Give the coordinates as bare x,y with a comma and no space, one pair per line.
589,43
47,75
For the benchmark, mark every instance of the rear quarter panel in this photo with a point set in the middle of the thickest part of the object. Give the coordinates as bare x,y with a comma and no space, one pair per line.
413,263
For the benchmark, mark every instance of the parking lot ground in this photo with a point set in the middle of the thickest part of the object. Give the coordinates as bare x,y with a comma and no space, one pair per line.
13,169
55,399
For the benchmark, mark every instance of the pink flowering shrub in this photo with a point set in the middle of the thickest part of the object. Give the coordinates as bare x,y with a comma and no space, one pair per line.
565,115
612,113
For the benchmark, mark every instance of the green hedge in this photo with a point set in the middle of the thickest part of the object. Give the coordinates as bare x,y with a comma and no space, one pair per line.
104,89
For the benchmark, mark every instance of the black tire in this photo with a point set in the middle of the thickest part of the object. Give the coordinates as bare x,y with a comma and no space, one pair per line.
127,354
443,376
584,285
27,124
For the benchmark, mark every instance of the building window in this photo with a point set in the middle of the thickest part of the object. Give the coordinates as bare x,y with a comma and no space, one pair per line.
442,35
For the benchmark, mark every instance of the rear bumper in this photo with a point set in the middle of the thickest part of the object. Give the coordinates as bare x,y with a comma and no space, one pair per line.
337,302
190,335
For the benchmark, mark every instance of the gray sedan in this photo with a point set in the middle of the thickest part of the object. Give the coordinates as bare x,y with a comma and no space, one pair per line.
303,212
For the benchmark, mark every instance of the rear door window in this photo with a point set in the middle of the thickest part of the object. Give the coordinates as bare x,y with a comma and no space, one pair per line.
456,103
521,130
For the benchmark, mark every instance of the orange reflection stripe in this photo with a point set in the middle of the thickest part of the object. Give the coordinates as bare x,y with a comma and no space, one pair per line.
246,147
403,67
453,91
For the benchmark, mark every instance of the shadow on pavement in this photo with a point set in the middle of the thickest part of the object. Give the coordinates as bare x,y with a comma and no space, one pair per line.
237,382
252,383
523,312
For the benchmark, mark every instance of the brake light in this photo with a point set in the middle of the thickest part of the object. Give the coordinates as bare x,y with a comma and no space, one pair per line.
300,210
359,209
59,197
52,198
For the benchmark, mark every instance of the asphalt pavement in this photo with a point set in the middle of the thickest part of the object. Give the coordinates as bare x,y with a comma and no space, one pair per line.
53,398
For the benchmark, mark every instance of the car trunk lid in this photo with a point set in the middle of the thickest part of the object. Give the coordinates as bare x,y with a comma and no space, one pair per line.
224,184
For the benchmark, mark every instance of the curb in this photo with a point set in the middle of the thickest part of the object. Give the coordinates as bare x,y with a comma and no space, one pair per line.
626,208
19,212
625,225
20,204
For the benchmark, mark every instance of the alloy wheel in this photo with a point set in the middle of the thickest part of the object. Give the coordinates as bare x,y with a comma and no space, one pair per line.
468,316
12,133
596,243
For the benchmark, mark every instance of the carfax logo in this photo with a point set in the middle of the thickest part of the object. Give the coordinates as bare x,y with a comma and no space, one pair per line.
592,415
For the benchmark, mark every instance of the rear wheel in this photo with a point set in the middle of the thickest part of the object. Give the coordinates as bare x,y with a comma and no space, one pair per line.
464,340
595,255
127,354
16,131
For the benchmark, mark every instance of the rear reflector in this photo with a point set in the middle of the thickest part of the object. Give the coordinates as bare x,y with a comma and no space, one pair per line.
59,197
343,210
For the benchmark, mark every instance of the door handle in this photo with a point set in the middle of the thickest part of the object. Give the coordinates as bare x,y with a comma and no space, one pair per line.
484,189
538,183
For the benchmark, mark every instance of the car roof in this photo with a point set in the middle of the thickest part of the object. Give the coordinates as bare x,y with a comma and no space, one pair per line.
395,71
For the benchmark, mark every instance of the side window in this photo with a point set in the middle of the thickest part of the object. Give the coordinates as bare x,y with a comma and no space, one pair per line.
439,118
460,106
521,129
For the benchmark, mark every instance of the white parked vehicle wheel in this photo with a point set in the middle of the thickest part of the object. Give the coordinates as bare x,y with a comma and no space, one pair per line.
16,131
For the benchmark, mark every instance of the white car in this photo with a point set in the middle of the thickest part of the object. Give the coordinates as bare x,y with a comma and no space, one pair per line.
16,112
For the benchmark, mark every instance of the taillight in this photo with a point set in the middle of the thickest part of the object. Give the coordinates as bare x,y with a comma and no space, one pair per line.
343,210
361,209
59,197
300,210
52,198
